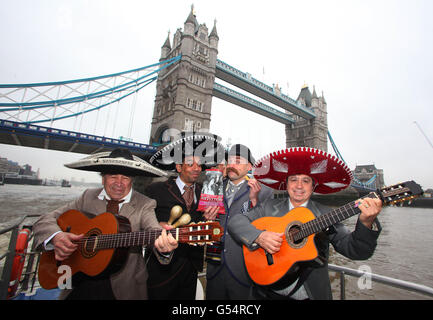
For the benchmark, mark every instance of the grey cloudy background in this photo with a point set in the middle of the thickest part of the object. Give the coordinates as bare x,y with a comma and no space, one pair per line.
371,59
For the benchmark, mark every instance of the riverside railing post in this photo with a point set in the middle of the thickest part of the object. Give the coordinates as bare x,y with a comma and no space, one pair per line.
342,286
7,268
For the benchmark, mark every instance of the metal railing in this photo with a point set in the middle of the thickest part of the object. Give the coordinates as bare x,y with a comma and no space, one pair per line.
9,256
30,270
393,282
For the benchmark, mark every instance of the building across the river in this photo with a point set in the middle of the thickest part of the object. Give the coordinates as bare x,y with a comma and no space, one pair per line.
369,175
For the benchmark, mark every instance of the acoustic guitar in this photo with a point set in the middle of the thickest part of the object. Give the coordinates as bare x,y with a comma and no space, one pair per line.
105,247
300,227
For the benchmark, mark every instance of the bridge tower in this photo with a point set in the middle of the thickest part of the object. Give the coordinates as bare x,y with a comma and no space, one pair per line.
184,91
309,133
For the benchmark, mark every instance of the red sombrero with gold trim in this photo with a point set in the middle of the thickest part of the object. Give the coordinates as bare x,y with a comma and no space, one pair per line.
329,173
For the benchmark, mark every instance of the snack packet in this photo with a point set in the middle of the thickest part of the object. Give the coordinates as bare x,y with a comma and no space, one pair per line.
212,191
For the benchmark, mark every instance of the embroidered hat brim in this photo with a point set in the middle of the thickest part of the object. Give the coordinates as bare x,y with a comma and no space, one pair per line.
329,173
103,163
206,146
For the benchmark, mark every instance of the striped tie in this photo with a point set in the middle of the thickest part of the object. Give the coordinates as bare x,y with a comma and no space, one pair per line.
113,206
188,195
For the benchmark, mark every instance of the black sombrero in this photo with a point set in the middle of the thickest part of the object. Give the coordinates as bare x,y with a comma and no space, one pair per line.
206,146
118,161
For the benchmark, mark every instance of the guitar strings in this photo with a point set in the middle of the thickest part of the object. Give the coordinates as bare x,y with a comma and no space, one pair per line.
326,220
104,241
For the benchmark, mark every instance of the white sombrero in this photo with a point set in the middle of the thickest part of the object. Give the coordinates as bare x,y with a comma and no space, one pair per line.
118,161
329,173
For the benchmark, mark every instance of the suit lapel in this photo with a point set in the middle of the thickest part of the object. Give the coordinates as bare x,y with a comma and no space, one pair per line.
312,207
174,190
128,208
97,206
197,195
281,208
239,194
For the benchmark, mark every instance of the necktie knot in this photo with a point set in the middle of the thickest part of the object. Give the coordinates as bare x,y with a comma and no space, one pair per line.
113,206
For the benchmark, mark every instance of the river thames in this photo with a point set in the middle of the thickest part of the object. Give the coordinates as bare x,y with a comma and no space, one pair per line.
404,249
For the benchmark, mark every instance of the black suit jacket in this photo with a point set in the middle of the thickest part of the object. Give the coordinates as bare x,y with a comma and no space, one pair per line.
167,195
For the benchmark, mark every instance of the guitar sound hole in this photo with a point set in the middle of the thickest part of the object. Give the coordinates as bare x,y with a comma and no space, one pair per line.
90,243
89,248
292,232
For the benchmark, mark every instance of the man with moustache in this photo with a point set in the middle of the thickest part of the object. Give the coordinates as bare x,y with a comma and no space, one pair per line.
187,156
226,274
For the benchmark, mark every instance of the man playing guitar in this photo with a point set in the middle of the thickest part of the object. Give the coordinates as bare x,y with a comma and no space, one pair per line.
302,171
117,169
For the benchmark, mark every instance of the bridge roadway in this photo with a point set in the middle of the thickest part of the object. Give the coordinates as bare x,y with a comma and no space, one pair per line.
30,135
244,81
250,104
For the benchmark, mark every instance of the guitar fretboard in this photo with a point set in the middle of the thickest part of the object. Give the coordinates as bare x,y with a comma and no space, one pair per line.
326,220
186,234
119,240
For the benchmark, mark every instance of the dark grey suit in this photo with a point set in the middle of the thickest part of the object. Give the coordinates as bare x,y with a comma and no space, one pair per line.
229,279
356,245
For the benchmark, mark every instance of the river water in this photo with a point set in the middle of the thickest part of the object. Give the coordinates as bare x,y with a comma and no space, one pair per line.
404,250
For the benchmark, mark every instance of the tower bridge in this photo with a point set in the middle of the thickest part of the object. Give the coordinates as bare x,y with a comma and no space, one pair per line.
185,86
184,92
250,104
245,81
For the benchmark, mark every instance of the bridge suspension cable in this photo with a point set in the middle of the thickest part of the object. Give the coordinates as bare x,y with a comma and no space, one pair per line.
370,184
423,133
51,101
334,146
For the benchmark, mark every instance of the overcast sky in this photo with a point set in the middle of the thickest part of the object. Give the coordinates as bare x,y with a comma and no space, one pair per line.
372,59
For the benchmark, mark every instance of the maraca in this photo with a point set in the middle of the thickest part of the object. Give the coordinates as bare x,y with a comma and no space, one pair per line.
175,213
184,219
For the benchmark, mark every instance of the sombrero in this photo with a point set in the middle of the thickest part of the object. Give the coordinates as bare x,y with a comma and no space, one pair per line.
330,174
206,146
118,161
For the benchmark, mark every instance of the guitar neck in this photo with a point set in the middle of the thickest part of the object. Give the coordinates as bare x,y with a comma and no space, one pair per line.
198,233
334,216
127,239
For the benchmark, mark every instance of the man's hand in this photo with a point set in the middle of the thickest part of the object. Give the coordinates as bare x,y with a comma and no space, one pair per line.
211,212
370,208
64,244
270,241
255,188
165,242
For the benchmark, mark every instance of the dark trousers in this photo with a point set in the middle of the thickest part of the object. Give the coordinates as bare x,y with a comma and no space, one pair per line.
261,293
224,287
91,289
181,286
